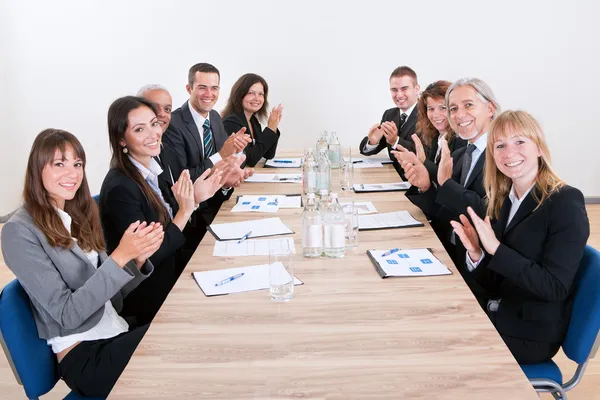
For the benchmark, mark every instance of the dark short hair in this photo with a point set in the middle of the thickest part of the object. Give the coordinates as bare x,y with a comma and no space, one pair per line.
404,71
201,67
240,89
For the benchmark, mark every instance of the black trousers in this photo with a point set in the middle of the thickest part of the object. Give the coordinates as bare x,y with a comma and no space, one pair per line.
528,351
92,368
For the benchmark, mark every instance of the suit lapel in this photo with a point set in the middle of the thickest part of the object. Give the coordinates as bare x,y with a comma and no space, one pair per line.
79,253
218,133
191,126
527,206
457,164
477,169
501,223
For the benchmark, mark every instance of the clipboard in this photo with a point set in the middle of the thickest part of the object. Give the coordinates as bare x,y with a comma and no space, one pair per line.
237,199
387,217
429,266
400,187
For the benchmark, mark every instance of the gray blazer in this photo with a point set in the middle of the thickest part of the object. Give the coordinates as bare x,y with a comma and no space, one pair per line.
67,292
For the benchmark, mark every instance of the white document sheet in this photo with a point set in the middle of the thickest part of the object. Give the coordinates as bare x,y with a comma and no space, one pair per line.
256,277
258,247
367,164
258,227
397,219
381,187
358,160
413,262
272,178
364,207
266,204
284,163
283,201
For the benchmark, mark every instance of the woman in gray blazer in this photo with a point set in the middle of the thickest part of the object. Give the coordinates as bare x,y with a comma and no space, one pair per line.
54,245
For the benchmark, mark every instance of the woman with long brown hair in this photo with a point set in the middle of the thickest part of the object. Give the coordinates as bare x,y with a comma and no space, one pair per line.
532,240
54,245
247,108
133,191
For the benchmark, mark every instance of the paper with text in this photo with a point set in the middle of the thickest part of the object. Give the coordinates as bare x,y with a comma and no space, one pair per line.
381,187
273,178
283,201
396,219
259,227
258,247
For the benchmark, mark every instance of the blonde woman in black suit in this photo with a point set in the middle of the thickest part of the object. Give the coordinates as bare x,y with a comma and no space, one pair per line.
527,250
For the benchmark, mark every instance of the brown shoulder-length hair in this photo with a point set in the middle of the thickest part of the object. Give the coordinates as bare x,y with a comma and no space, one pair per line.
437,91
118,122
497,185
239,90
85,218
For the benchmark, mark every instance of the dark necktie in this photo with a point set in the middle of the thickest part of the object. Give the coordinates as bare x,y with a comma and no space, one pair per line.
466,163
209,148
403,119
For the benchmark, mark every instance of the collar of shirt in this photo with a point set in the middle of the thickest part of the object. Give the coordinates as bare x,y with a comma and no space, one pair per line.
151,173
198,119
516,203
409,111
481,144
66,219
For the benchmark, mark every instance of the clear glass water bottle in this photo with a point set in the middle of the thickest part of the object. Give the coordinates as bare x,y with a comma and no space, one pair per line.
335,150
309,172
334,229
323,171
322,143
312,228
323,200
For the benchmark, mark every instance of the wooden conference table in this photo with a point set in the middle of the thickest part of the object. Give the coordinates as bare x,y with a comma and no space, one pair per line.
346,333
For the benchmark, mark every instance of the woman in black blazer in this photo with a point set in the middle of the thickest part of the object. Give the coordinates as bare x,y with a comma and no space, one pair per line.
246,108
135,189
432,125
532,240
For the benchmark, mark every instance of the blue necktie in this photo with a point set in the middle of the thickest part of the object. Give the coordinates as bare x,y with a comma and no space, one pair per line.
209,148
156,190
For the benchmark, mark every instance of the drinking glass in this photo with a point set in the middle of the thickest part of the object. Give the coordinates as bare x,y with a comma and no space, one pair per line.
281,274
351,217
346,174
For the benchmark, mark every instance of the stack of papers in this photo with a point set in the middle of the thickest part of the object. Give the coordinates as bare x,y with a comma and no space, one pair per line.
289,178
256,227
414,262
258,247
380,187
282,200
367,164
364,207
255,277
397,219
284,163
268,204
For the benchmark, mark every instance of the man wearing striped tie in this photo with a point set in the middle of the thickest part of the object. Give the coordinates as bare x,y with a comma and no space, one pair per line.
197,136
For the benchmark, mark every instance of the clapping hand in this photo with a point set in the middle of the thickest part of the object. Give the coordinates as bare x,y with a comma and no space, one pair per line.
183,190
207,184
421,156
414,170
471,236
446,163
138,242
375,134
275,118
390,131
235,143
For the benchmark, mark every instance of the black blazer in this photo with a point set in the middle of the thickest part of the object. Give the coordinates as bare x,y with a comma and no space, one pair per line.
431,163
183,137
265,141
122,202
404,135
534,267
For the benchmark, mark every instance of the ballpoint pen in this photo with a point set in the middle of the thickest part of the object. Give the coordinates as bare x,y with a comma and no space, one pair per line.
227,280
290,179
392,251
246,236
283,161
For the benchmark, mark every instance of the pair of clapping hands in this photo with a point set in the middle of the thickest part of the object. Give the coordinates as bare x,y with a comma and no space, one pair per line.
416,173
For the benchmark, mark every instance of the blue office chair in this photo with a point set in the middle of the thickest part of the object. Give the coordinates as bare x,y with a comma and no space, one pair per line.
582,340
96,198
31,359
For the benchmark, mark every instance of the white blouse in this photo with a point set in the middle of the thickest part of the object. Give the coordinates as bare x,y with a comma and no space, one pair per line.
110,325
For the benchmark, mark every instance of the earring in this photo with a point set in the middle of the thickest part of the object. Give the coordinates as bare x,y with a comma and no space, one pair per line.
125,150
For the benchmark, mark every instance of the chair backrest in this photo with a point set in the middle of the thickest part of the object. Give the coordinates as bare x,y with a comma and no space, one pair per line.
96,198
585,319
32,360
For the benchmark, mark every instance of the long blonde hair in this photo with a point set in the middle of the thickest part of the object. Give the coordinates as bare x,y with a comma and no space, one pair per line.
497,185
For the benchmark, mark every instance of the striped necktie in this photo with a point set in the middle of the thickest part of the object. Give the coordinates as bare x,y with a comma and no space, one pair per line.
209,147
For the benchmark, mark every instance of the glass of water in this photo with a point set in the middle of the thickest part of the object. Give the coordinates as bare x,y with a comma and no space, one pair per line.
281,273
351,217
346,174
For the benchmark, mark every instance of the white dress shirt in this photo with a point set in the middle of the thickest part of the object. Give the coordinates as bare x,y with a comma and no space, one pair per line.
110,325
199,120
480,145
371,147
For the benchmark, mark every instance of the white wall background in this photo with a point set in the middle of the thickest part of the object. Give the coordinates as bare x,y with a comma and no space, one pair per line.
63,62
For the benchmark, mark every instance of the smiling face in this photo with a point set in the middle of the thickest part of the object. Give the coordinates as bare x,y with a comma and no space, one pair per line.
404,91
204,92
163,102
143,135
254,99
436,112
470,114
62,176
517,157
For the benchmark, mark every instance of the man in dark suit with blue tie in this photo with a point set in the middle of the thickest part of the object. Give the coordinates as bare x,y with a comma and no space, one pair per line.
397,124
197,136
